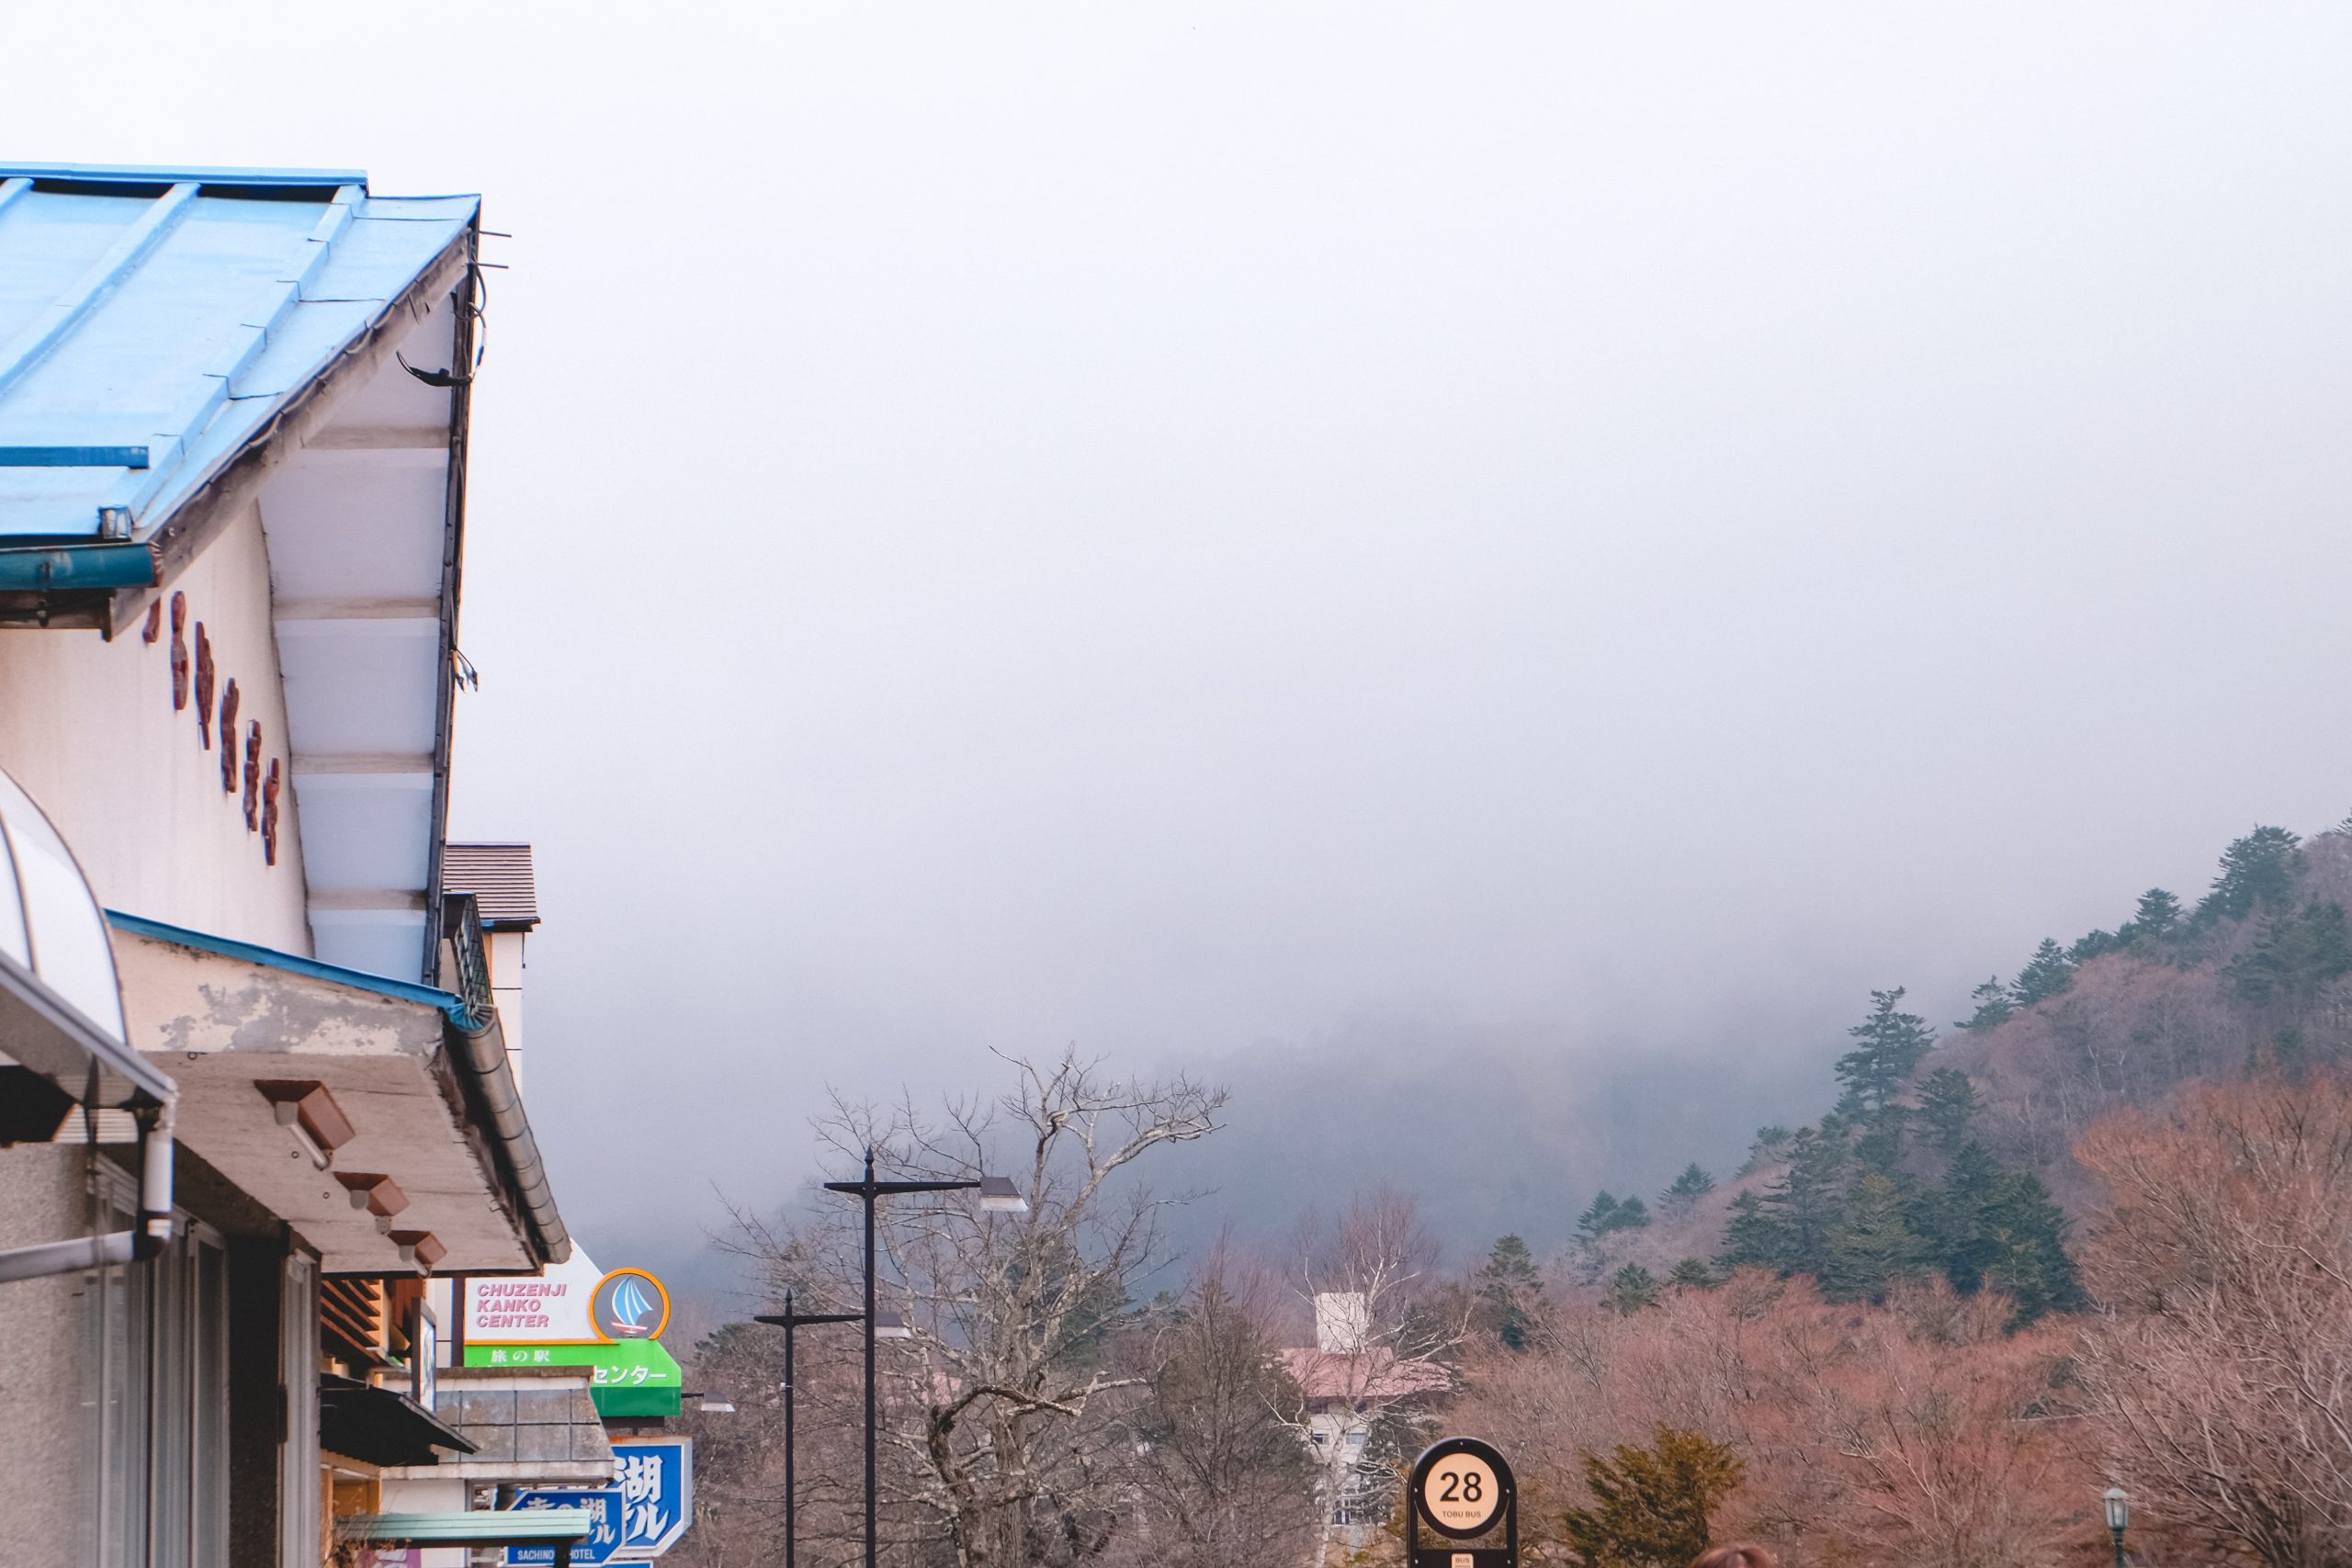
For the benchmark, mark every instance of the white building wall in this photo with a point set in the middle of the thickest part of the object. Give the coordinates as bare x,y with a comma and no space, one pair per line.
506,992
87,726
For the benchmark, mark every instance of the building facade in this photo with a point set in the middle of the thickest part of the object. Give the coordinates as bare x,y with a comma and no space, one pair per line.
258,1096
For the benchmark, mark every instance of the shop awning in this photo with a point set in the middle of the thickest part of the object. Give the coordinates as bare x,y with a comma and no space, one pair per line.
382,1425
563,1528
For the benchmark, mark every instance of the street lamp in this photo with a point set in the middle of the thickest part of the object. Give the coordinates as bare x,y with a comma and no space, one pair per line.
2118,1513
789,1320
997,1194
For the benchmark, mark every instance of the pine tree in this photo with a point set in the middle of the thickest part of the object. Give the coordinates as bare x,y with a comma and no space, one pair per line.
2094,945
1632,1214
1769,1141
1631,1289
1892,1043
1948,1105
1600,1219
1952,1217
2026,1232
2045,975
1753,1238
1688,1189
2157,918
2260,868
1993,1005
1651,1507
1873,1246
1508,1287
1692,1274
2296,955
1807,1201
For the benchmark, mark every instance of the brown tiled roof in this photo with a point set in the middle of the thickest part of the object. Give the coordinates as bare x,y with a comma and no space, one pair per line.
1376,1375
499,876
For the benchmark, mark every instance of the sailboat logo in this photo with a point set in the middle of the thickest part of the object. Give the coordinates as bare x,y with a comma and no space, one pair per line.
630,1304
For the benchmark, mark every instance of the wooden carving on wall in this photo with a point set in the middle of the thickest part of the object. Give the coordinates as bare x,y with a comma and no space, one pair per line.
253,778
229,701
154,627
204,674
179,651
269,815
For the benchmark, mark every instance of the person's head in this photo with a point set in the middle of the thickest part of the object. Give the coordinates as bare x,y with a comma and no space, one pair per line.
1741,1554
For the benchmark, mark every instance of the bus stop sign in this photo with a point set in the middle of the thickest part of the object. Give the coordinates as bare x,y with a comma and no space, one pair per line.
1462,1489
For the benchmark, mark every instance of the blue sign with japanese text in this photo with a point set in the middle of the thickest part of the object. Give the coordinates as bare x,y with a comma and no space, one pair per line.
640,1515
604,1525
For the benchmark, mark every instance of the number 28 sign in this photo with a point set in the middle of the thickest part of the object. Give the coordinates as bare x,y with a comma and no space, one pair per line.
1462,1488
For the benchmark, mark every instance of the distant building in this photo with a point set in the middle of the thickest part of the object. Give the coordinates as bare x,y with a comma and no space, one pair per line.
1351,1383
257,1110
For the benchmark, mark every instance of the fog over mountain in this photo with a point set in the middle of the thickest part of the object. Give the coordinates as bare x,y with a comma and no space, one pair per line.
1483,576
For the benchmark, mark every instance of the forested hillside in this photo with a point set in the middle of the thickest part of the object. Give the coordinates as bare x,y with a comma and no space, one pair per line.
1951,1151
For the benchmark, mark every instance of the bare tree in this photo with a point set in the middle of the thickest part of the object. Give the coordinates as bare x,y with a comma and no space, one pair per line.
2222,1365
1007,1416
1383,1318
1220,1477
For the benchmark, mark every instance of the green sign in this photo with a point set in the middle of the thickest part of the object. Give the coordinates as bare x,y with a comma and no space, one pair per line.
627,1377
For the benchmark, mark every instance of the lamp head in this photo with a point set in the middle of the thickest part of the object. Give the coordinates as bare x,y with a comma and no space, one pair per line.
888,1325
998,1195
2119,1508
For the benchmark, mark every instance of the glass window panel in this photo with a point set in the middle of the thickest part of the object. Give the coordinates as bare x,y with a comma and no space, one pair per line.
210,1537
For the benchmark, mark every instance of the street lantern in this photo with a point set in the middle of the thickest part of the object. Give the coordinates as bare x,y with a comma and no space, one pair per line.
2118,1513
788,1320
997,1195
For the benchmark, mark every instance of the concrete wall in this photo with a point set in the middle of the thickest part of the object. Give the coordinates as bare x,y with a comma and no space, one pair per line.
44,1346
87,726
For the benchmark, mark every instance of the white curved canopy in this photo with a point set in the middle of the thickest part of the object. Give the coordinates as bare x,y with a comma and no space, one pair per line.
50,921
61,1004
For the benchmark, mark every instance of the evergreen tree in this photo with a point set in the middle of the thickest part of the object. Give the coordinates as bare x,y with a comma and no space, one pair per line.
2296,955
2157,918
2027,1232
1807,1202
1948,1105
1891,1044
1951,1218
2260,868
2094,945
1879,1145
1873,1245
2044,976
1993,1005
1632,1214
1600,1219
1692,1274
1688,1189
1651,1507
1631,1289
1752,1238
1509,1286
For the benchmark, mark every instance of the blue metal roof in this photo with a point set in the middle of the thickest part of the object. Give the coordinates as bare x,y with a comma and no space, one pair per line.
152,321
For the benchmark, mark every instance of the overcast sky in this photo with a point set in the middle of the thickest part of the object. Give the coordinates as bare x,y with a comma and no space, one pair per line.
1185,529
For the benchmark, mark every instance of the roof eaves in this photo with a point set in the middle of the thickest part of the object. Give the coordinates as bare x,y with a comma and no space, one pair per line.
166,173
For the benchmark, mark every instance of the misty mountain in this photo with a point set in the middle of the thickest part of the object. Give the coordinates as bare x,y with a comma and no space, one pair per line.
1492,1130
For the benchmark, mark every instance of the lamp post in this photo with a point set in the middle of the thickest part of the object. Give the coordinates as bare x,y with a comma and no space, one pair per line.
789,1320
2118,1513
996,1194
